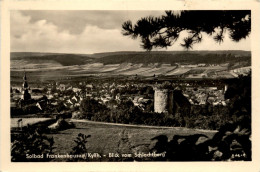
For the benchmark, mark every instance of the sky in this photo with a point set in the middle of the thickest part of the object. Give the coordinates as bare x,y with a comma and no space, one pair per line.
87,32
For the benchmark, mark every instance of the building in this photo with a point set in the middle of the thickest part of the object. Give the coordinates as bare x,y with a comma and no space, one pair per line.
163,100
62,87
171,101
25,89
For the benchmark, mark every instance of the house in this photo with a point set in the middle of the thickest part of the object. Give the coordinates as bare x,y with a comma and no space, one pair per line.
104,99
74,101
88,95
13,104
89,87
69,88
118,96
54,103
75,90
62,87
16,89
41,104
50,96
201,64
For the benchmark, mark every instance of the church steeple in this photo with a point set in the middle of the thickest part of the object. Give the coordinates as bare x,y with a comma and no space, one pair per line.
26,95
25,84
24,77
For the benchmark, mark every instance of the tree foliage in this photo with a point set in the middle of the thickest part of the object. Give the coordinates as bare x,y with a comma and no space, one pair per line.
80,141
89,107
163,31
239,94
231,143
31,141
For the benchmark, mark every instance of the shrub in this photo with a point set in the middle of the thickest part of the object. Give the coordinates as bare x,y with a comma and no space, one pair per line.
80,147
61,124
231,142
31,142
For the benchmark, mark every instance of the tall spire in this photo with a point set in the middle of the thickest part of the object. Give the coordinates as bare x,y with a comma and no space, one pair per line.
26,95
25,84
24,77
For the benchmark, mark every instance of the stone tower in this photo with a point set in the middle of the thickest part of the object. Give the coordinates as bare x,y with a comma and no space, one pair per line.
163,100
25,94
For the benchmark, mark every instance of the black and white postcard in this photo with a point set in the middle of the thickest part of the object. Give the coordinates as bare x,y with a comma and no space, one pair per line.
129,83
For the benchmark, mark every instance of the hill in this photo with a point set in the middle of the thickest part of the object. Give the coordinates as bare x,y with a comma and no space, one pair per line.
169,57
63,59
29,54
234,52
193,57
191,64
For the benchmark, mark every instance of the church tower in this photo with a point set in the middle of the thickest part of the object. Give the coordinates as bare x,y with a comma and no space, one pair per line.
26,95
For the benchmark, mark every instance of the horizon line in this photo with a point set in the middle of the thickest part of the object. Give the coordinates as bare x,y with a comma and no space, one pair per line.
121,51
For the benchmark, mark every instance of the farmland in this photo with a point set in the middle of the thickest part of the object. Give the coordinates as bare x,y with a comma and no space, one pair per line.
127,69
48,66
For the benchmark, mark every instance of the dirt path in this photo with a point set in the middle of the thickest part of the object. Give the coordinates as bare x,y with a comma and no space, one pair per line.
139,126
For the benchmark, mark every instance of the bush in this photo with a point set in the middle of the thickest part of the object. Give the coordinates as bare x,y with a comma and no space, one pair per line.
31,142
231,143
77,115
61,124
80,147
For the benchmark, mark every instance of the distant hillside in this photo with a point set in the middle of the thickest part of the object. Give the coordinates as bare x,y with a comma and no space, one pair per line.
48,66
63,59
234,52
169,57
178,57
29,54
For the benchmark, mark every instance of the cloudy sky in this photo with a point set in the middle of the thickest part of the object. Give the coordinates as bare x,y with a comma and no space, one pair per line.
89,32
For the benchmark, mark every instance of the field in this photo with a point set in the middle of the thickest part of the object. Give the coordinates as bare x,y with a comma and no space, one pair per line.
27,121
63,73
50,66
115,139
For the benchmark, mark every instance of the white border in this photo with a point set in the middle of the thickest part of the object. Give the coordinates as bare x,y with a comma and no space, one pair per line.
7,5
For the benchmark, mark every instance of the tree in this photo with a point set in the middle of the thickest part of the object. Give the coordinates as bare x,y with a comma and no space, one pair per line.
239,95
60,107
89,107
163,31
31,141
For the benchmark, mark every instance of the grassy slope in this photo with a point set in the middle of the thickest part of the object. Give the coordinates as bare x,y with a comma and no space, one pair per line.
112,139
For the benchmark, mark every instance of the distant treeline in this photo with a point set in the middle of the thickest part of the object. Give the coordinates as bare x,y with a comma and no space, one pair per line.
63,59
169,57
183,58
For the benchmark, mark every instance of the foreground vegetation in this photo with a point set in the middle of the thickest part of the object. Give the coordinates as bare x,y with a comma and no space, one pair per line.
231,142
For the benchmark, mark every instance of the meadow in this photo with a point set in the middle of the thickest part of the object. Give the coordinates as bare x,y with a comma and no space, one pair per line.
109,138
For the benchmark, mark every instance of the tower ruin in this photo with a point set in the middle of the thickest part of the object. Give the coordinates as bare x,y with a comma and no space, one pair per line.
163,100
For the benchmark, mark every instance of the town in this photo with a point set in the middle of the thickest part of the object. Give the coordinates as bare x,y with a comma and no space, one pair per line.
107,104
146,95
